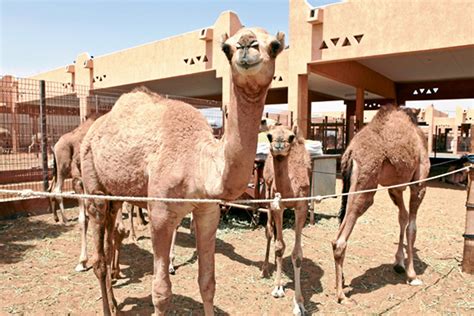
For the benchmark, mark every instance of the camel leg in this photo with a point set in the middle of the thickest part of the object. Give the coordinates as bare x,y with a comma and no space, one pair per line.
109,250
357,205
163,223
417,194
297,259
58,189
269,235
97,211
141,217
397,198
279,291
206,221
119,234
311,213
171,268
83,223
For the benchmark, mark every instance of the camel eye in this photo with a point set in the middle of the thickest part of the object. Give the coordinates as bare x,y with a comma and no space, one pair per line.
254,44
238,46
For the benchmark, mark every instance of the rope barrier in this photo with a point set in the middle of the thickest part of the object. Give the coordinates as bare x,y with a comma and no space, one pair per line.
276,200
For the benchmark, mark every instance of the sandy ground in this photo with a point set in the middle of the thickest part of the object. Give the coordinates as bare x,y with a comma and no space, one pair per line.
38,256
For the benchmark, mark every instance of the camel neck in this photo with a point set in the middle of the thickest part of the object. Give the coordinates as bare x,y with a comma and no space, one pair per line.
281,176
239,142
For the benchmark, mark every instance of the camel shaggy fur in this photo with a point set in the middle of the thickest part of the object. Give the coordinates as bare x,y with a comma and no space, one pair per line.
151,146
390,150
286,172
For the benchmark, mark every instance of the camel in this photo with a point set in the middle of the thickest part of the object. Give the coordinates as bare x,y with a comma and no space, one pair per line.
66,159
66,163
36,143
148,145
390,150
5,141
286,172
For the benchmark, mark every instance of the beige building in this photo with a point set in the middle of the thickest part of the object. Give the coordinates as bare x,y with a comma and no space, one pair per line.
368,52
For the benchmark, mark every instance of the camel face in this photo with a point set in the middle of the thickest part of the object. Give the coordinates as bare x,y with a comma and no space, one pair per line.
251,53
281,138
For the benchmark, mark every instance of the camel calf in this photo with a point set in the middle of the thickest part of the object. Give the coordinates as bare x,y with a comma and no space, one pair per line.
390,150
286,172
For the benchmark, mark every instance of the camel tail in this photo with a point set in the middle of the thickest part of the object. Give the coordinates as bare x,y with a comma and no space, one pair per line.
346,184
55,172
53,182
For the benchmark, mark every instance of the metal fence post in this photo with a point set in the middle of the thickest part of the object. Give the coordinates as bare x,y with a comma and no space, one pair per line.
44,135
468,255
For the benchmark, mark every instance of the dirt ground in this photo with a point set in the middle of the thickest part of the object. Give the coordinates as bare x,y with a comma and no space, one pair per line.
38,256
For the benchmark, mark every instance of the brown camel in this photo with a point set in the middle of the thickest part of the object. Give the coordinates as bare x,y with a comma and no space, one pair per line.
390,150
151,146
66,157
287,170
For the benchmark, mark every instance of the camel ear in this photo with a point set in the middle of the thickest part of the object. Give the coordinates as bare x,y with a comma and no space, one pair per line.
270,137
226,48
295,130
276,46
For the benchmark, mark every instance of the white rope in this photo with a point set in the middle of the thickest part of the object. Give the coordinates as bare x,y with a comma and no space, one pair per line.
277,199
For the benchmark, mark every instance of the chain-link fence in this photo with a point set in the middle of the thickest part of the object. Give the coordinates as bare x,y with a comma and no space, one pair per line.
34,114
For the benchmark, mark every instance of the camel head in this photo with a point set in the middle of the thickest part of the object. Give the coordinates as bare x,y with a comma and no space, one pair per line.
266,123
281,140
251,53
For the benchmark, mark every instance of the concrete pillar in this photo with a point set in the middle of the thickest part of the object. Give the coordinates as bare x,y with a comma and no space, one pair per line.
455,139
10,96
359,109
298,102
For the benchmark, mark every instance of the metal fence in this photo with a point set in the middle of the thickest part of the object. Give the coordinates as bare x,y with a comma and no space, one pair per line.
34,114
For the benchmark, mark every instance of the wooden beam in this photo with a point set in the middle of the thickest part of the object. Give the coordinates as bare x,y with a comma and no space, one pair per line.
359,110
435,90
357,75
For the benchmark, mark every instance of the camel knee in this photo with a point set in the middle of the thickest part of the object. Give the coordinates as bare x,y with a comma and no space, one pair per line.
100,268
297,258
279,248
338,248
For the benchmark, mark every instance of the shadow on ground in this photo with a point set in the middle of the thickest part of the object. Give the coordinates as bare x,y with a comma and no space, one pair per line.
180,305
378,277
19,235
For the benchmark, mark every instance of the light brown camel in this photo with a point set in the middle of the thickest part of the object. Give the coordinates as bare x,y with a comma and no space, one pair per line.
66,158
390,150
286,172
151,146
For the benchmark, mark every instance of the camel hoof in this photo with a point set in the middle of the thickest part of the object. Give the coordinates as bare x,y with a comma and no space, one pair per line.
298,308
415,282
347,301
278,292
81,267
399,268
265,274
172,270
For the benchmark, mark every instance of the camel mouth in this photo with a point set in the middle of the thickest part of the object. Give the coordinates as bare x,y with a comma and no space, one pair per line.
247,66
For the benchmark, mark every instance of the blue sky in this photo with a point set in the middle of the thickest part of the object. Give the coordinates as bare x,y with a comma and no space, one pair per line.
38,35
42,35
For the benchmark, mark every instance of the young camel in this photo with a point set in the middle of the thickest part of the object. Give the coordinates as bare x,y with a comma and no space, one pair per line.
390,150
167,149
66,159
287,170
